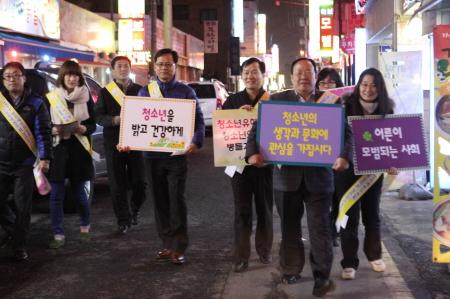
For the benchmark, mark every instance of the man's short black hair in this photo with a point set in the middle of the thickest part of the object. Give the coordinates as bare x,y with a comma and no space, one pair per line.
119,57
14,64
303,58
262,65
165,51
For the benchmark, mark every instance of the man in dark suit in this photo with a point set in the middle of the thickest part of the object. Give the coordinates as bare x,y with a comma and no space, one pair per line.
299,186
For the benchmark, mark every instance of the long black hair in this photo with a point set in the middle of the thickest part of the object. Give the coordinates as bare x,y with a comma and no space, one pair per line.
385,103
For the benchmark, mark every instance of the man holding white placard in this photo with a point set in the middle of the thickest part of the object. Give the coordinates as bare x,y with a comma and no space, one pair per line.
167,172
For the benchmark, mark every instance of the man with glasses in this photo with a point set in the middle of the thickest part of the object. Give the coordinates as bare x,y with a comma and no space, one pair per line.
297,188
167,174
25,134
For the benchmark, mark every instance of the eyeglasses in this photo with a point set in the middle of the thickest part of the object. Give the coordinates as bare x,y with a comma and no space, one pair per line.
164,64
329,83
12,77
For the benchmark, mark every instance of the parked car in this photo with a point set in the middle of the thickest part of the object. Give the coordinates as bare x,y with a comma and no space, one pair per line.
211,95
41,81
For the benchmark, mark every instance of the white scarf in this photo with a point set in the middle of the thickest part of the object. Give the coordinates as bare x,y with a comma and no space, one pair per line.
368,107
79,97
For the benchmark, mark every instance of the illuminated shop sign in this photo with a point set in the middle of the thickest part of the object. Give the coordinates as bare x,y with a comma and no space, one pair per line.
34,17
132,40
326,27
131,8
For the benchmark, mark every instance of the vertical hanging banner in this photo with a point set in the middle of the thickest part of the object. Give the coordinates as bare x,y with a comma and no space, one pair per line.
441,211
326,27
210,36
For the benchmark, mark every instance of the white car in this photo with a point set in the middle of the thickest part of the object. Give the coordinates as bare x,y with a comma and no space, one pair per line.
211,95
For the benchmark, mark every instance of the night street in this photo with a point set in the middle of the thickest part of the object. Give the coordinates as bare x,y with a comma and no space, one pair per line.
112,266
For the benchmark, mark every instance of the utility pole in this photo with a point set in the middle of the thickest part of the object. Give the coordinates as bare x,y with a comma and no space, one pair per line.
167,23
153,22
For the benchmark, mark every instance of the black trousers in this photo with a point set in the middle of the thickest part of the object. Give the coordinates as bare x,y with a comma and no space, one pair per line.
125,171
369,208
168,183
291,207
20,183
252,183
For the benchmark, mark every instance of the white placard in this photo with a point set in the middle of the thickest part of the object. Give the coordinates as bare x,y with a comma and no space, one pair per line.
157,125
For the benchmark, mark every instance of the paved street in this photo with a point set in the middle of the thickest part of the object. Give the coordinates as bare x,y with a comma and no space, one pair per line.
111,266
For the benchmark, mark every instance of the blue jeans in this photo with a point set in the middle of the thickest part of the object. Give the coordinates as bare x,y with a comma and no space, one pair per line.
57,204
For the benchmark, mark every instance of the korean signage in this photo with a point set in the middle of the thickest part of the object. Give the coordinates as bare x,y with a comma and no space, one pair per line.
300,133
391,141
230,131
441,161
326,27
348,43
34,17
210,36
151,124
132,41
360,5
131,9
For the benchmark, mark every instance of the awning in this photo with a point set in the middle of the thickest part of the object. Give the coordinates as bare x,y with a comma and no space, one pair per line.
30,46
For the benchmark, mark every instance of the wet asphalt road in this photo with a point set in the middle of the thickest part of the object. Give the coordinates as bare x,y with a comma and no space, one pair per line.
112,266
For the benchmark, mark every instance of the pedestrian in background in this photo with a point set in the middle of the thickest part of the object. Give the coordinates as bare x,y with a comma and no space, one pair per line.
72,113
370,97
167,174
125,169
297,187
329,78
253,183
27,111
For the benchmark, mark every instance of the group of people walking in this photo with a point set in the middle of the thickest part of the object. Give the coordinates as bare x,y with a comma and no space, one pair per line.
58,143
316,190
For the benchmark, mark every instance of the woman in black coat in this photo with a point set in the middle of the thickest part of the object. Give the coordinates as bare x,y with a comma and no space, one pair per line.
369,97
71,131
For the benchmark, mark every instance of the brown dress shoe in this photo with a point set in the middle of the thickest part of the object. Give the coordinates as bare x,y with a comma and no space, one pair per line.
164,254
178,258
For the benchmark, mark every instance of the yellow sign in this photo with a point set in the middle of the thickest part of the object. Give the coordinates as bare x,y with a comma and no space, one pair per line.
441,212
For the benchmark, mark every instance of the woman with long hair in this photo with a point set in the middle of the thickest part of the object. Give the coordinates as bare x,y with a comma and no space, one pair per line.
72,114
370,97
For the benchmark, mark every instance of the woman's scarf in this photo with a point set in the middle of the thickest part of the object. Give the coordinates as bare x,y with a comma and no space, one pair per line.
79,98
368,107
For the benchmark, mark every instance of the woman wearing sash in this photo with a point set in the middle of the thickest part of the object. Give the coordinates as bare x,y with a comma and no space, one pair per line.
370,97
24,112
329,78
72,114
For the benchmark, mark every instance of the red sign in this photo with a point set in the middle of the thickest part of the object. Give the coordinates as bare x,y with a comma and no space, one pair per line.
326,27
348,43
350,20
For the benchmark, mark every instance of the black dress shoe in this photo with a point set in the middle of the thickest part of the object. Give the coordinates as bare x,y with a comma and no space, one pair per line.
290,278
135,218
7,239
123,229
322,287
21,255
241,266
265,259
